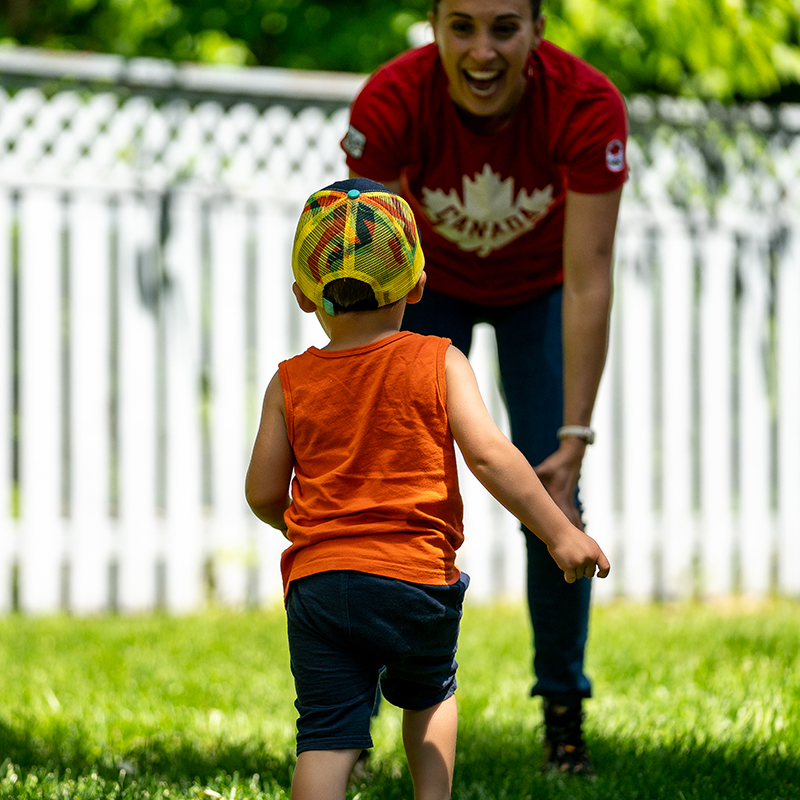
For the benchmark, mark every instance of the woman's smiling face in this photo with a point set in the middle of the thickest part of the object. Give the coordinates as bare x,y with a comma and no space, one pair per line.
484,47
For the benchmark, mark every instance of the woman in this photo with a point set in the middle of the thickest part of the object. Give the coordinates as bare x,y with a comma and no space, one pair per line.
512,154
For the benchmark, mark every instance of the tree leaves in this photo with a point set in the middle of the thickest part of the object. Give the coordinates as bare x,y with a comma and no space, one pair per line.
723,49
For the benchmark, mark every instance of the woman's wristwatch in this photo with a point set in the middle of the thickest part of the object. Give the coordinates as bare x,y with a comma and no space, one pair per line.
576,432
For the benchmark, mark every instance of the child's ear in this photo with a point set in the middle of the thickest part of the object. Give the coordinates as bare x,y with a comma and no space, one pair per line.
415,295
304,303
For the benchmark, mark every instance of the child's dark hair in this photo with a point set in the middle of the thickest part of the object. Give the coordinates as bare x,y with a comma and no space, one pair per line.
350,294
536,7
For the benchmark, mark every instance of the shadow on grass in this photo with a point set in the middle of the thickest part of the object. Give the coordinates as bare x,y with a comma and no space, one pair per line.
170,758
505,765
492,763
56,747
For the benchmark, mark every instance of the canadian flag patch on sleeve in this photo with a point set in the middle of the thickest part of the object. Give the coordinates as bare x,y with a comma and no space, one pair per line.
615,156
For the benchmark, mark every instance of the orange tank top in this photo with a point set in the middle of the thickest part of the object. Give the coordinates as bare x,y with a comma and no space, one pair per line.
375,487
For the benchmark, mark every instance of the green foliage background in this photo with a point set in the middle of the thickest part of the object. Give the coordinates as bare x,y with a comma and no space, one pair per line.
723,49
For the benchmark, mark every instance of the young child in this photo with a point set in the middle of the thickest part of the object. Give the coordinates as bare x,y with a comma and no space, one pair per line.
374,516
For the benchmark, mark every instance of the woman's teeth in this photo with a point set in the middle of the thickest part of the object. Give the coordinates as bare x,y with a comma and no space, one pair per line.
482,81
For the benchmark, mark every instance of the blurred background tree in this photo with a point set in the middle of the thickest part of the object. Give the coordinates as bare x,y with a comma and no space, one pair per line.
724,49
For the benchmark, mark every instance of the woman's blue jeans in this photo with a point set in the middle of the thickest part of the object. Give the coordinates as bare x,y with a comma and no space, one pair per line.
530,356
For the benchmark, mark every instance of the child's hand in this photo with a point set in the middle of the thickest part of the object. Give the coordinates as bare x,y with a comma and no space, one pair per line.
579,556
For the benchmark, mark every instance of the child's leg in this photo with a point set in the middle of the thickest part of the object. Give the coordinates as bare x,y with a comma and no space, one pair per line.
429,737
323,774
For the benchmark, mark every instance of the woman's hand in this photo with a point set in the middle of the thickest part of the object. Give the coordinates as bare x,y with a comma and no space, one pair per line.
559,474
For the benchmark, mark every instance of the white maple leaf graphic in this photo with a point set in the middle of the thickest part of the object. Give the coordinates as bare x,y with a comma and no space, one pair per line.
490,217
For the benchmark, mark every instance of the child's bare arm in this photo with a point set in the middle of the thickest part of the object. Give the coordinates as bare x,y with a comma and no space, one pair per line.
508,476
270,472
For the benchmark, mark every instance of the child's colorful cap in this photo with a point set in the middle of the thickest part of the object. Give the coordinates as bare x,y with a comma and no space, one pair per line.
357,229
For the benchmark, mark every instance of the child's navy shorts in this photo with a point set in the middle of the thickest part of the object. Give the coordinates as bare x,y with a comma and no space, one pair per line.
344,628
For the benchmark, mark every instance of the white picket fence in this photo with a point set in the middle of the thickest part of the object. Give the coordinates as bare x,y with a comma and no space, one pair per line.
145,229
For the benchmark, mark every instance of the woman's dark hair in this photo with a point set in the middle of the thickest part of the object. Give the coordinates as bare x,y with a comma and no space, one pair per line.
536,7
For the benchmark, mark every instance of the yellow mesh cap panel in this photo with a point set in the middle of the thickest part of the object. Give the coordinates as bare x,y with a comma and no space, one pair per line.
366,235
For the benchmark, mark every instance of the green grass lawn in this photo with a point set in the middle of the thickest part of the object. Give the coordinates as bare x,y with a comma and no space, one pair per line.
692,702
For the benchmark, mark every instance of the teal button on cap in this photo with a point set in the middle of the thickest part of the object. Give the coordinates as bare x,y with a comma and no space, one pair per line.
353,193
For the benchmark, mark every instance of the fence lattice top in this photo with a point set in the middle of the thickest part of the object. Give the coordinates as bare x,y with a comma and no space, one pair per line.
157,125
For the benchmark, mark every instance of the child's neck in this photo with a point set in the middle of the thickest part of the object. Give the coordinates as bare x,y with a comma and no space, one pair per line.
359,328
